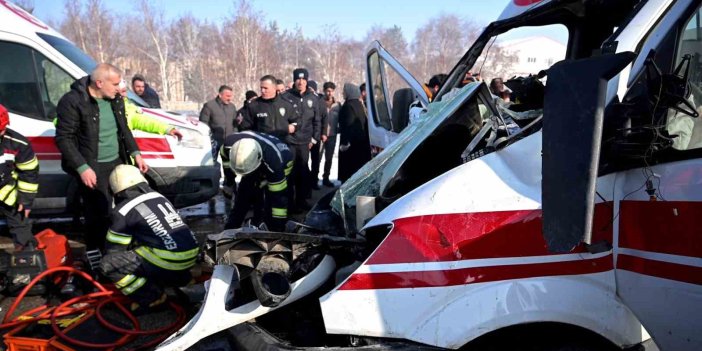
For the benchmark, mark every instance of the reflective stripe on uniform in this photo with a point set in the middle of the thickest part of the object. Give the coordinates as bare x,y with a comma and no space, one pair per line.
128,279
134,286
150,256
279,186
265,140
8,194
288,168
279,212
5,191
15,139
12,198
176,255
27,187
118,238
137,200
29,165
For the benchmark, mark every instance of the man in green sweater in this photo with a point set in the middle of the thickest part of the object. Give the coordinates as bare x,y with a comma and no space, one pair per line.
93,137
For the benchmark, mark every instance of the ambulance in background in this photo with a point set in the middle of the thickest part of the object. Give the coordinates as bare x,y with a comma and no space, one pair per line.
37,67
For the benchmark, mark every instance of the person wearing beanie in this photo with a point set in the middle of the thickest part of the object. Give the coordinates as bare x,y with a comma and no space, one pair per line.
313,85
307,134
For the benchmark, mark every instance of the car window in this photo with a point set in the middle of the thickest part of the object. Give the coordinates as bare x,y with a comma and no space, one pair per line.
70,51
54,82
689,55
378,98
19,91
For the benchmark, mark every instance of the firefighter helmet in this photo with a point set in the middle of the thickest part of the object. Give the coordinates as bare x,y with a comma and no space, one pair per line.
4,118
125,176
245,156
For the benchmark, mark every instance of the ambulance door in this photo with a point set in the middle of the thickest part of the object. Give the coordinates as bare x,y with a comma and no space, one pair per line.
659,206
391,93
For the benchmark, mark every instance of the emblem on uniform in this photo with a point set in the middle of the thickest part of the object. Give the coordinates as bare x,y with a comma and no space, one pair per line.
282,111
309,103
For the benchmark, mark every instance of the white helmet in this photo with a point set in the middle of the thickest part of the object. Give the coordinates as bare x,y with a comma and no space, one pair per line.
125,176
245,156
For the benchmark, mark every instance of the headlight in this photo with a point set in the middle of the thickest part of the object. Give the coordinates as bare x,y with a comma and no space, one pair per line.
193,139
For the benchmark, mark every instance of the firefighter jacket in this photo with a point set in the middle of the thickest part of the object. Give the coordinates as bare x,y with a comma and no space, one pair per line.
270,116
147,221
137,120
309,125
19,170
276,165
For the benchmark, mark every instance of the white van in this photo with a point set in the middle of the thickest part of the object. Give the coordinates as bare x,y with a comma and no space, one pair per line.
37,67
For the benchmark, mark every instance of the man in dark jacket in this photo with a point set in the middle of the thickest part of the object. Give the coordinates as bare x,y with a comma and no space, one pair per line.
269,113
330,128
145,91
219,114
306,135
93,137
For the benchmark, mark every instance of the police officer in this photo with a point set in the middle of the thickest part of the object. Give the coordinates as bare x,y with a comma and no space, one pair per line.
263,161
306,135
19,182
269,113
148,245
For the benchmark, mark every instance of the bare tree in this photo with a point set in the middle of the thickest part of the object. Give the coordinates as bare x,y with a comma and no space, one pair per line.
152,41
440,43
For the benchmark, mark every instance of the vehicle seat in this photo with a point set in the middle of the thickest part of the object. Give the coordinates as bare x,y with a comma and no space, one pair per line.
401,101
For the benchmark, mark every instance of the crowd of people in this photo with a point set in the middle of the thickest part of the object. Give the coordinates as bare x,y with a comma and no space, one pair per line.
270,141
276,142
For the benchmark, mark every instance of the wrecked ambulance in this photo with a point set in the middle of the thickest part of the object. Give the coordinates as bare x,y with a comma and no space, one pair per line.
565,221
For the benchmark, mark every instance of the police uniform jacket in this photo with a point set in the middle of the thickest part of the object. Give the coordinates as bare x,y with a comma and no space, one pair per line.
309,126
271,116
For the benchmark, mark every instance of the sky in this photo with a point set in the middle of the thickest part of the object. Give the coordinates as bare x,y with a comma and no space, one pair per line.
352,18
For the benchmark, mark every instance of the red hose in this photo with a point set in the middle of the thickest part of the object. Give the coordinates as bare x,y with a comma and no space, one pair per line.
41,276
95,300
74,341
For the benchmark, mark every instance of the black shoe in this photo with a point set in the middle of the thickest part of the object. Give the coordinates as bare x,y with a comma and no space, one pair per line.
328,183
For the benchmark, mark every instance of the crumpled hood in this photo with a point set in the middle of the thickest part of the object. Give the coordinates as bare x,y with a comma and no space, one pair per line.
374,176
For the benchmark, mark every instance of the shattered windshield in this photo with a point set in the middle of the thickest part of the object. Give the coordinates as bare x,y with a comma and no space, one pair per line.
372,178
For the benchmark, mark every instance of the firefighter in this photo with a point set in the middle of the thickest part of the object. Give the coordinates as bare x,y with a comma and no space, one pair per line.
263,161
148,245
19,182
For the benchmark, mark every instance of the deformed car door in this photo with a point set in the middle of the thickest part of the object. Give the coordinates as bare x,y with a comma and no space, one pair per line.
391,92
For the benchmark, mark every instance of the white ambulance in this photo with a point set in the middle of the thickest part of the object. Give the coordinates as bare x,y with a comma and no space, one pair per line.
37,66
568,220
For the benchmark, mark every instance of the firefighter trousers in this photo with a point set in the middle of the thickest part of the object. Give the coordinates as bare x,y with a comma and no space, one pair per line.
20,227
138,279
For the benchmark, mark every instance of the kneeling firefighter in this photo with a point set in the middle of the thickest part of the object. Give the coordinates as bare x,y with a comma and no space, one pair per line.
148,245
263,161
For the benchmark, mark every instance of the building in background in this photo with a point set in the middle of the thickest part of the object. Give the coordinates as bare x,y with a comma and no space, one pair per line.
533,54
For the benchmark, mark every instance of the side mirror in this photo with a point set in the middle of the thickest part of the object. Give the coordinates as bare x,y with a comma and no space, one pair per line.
574,106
